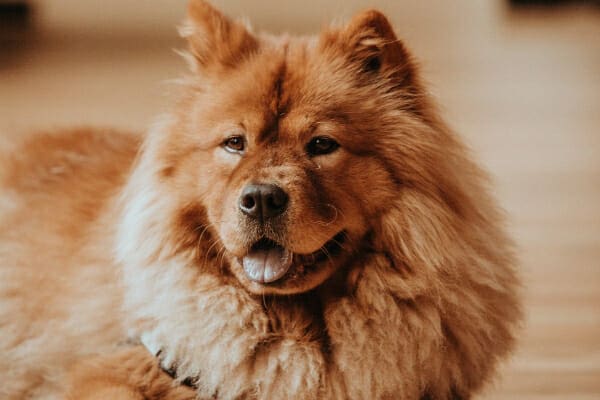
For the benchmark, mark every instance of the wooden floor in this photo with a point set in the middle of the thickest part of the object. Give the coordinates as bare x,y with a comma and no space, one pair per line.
522,88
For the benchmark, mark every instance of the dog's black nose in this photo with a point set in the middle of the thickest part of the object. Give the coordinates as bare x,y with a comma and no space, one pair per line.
262,201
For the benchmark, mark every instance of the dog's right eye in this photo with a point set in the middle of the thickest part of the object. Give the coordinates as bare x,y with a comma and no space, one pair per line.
234,144
321,145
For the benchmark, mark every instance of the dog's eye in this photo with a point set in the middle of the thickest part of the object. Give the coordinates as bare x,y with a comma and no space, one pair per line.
321,145
234,144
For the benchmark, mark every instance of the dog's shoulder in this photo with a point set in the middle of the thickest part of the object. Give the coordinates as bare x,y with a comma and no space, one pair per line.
63,178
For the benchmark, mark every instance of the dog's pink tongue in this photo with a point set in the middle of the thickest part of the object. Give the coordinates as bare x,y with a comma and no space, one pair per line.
267,265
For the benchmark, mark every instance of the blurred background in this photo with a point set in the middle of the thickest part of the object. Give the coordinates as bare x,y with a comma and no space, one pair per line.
519,80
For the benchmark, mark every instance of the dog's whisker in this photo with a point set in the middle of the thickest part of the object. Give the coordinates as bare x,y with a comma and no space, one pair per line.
342,242
208,251
326,252
221,257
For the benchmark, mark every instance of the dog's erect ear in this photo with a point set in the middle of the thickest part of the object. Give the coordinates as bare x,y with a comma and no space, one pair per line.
369,42
215,39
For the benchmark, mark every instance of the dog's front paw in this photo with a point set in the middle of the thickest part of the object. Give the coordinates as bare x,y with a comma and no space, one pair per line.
128,374
168,361
171,370
243,366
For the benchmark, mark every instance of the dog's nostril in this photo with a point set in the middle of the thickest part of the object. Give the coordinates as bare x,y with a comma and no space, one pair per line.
276,201
248,202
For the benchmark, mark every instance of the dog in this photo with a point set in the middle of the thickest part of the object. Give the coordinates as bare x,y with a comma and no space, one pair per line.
301,225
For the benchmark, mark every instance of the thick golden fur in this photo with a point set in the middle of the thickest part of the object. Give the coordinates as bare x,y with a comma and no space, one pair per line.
128,374
104,239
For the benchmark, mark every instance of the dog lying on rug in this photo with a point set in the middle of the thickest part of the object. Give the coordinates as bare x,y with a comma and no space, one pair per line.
301,225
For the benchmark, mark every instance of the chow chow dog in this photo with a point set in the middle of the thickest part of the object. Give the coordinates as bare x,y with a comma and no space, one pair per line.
301,225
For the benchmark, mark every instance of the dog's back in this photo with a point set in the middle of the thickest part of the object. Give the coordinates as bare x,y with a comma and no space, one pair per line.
54,191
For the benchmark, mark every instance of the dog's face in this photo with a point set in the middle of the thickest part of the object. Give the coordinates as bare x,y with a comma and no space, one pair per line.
290,186
279,142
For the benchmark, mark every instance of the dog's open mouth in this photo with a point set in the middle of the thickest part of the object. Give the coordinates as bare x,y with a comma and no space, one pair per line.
268,261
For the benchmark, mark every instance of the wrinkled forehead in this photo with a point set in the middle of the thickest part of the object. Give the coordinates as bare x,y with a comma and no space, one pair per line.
291,84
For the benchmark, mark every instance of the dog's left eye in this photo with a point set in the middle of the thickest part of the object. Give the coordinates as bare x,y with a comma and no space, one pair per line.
321,145
234,144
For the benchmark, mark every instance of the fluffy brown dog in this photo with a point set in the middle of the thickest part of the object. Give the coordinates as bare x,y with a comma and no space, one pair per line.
302,225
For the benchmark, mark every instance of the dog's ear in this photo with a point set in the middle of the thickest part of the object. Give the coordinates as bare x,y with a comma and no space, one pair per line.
214,39
369,43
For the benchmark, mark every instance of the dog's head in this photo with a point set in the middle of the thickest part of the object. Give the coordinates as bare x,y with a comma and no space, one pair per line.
288,153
